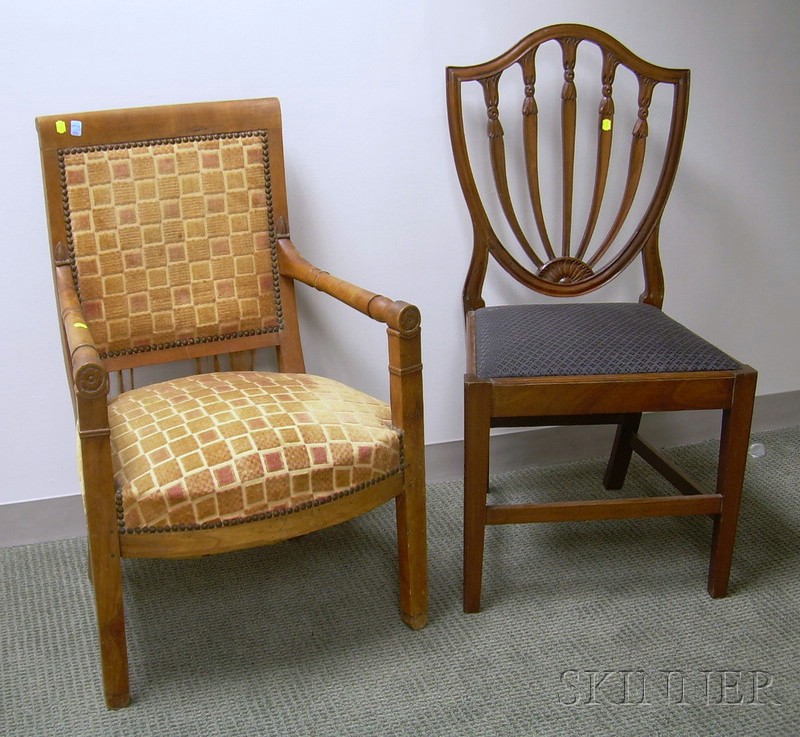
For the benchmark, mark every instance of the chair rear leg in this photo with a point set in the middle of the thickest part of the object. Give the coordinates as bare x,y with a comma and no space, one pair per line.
477,406
734,442
106,571
621,453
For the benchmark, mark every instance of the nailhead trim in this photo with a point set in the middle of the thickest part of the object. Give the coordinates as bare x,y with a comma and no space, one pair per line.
282,512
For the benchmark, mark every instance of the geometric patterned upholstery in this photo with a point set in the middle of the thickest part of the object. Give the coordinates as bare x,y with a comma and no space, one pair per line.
588,339
172,241
230,447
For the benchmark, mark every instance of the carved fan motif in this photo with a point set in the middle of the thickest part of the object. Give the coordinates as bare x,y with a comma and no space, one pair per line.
565,271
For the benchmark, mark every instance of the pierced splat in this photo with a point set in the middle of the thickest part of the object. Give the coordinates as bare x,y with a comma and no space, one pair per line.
530,136
646,86
498,158
605,134
569,97
491,95
602,229
635,166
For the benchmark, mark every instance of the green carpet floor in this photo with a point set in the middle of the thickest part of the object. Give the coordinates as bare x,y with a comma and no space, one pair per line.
600,628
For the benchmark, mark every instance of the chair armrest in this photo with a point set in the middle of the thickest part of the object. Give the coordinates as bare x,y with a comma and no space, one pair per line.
405,346
89,376
395,314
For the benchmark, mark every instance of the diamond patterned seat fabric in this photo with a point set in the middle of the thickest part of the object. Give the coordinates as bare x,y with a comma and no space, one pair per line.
579,339
226,448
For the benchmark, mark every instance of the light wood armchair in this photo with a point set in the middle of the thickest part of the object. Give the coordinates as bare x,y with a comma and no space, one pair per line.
170,242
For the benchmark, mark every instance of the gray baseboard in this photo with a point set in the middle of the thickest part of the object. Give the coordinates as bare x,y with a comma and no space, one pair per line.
22,523
41,520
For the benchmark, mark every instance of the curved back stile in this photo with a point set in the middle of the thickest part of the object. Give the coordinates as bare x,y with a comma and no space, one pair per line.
576,265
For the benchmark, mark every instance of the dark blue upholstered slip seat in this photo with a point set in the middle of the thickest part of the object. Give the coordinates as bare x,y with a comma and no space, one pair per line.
588,339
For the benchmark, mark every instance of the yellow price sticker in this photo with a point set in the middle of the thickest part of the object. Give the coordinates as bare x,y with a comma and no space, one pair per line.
80,325
606,124
61,126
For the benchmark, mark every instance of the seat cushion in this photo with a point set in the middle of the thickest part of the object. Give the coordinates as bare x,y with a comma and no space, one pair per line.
230,447
579,339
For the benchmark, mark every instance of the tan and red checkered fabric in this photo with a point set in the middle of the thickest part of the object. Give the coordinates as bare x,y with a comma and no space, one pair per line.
235,446
171,240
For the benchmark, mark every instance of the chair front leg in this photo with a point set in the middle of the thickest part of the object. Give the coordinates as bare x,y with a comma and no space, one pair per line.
412,554
405,387
733,446
105,567
107,579
477,423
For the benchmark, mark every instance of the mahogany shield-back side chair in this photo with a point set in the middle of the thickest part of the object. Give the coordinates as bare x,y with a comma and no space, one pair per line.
170,241
566,116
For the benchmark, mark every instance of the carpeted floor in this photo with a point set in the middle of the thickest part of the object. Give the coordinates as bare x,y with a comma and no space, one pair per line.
588,628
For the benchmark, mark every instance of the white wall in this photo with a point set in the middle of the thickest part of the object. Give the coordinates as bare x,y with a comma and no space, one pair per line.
372,187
